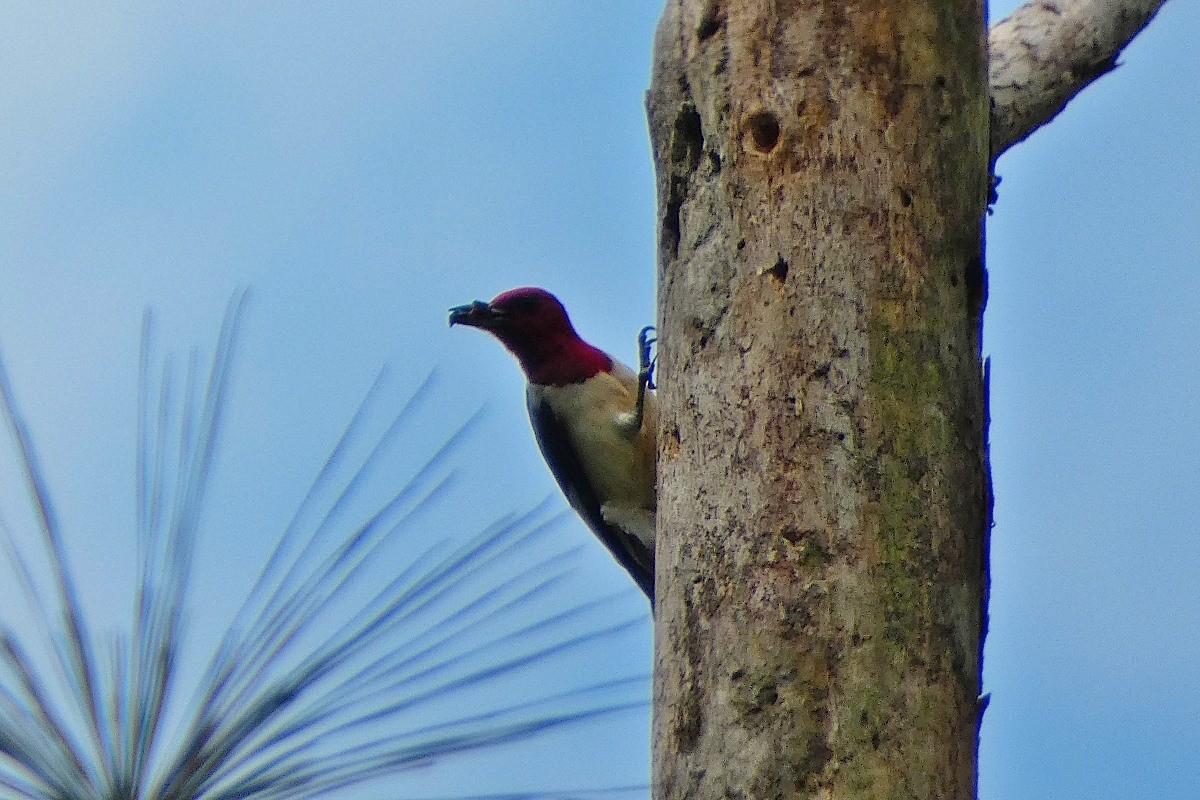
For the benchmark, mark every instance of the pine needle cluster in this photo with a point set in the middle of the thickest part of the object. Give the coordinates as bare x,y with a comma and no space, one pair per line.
299,698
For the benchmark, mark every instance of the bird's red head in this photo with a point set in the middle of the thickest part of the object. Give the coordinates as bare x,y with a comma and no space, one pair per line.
535,328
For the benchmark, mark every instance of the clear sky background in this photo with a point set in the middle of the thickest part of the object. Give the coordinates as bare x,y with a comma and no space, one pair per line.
365,166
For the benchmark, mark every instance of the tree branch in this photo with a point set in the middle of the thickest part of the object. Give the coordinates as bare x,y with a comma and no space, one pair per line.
1048,51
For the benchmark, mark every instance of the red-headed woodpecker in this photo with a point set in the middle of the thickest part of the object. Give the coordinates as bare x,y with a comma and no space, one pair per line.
594,419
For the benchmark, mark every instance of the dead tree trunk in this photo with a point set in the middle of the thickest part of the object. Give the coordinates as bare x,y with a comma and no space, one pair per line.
824,500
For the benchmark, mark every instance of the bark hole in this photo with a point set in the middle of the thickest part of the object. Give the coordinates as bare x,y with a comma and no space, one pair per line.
687,140
671,209
710,21
762,132
778,270
687,148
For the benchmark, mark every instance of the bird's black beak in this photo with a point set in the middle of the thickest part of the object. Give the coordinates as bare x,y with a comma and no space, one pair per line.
475,315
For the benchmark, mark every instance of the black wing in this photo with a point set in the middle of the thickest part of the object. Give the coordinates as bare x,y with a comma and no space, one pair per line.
556,447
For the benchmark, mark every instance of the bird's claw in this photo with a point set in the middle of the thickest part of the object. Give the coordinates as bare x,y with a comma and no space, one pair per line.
646,340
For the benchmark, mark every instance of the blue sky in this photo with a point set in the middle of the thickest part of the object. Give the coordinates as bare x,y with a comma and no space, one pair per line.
366,166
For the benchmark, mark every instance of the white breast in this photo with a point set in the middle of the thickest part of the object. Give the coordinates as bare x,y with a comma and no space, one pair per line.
621,469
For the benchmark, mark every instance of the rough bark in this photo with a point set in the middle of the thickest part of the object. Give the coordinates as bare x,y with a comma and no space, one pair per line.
824,500
1047,52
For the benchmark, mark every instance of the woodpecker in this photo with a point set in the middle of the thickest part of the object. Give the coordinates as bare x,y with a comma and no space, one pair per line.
593,417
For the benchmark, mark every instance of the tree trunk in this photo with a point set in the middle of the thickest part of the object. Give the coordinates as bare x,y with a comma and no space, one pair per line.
824,501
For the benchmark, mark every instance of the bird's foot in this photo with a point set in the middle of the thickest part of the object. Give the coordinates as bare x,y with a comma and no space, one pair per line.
646,340
631,424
